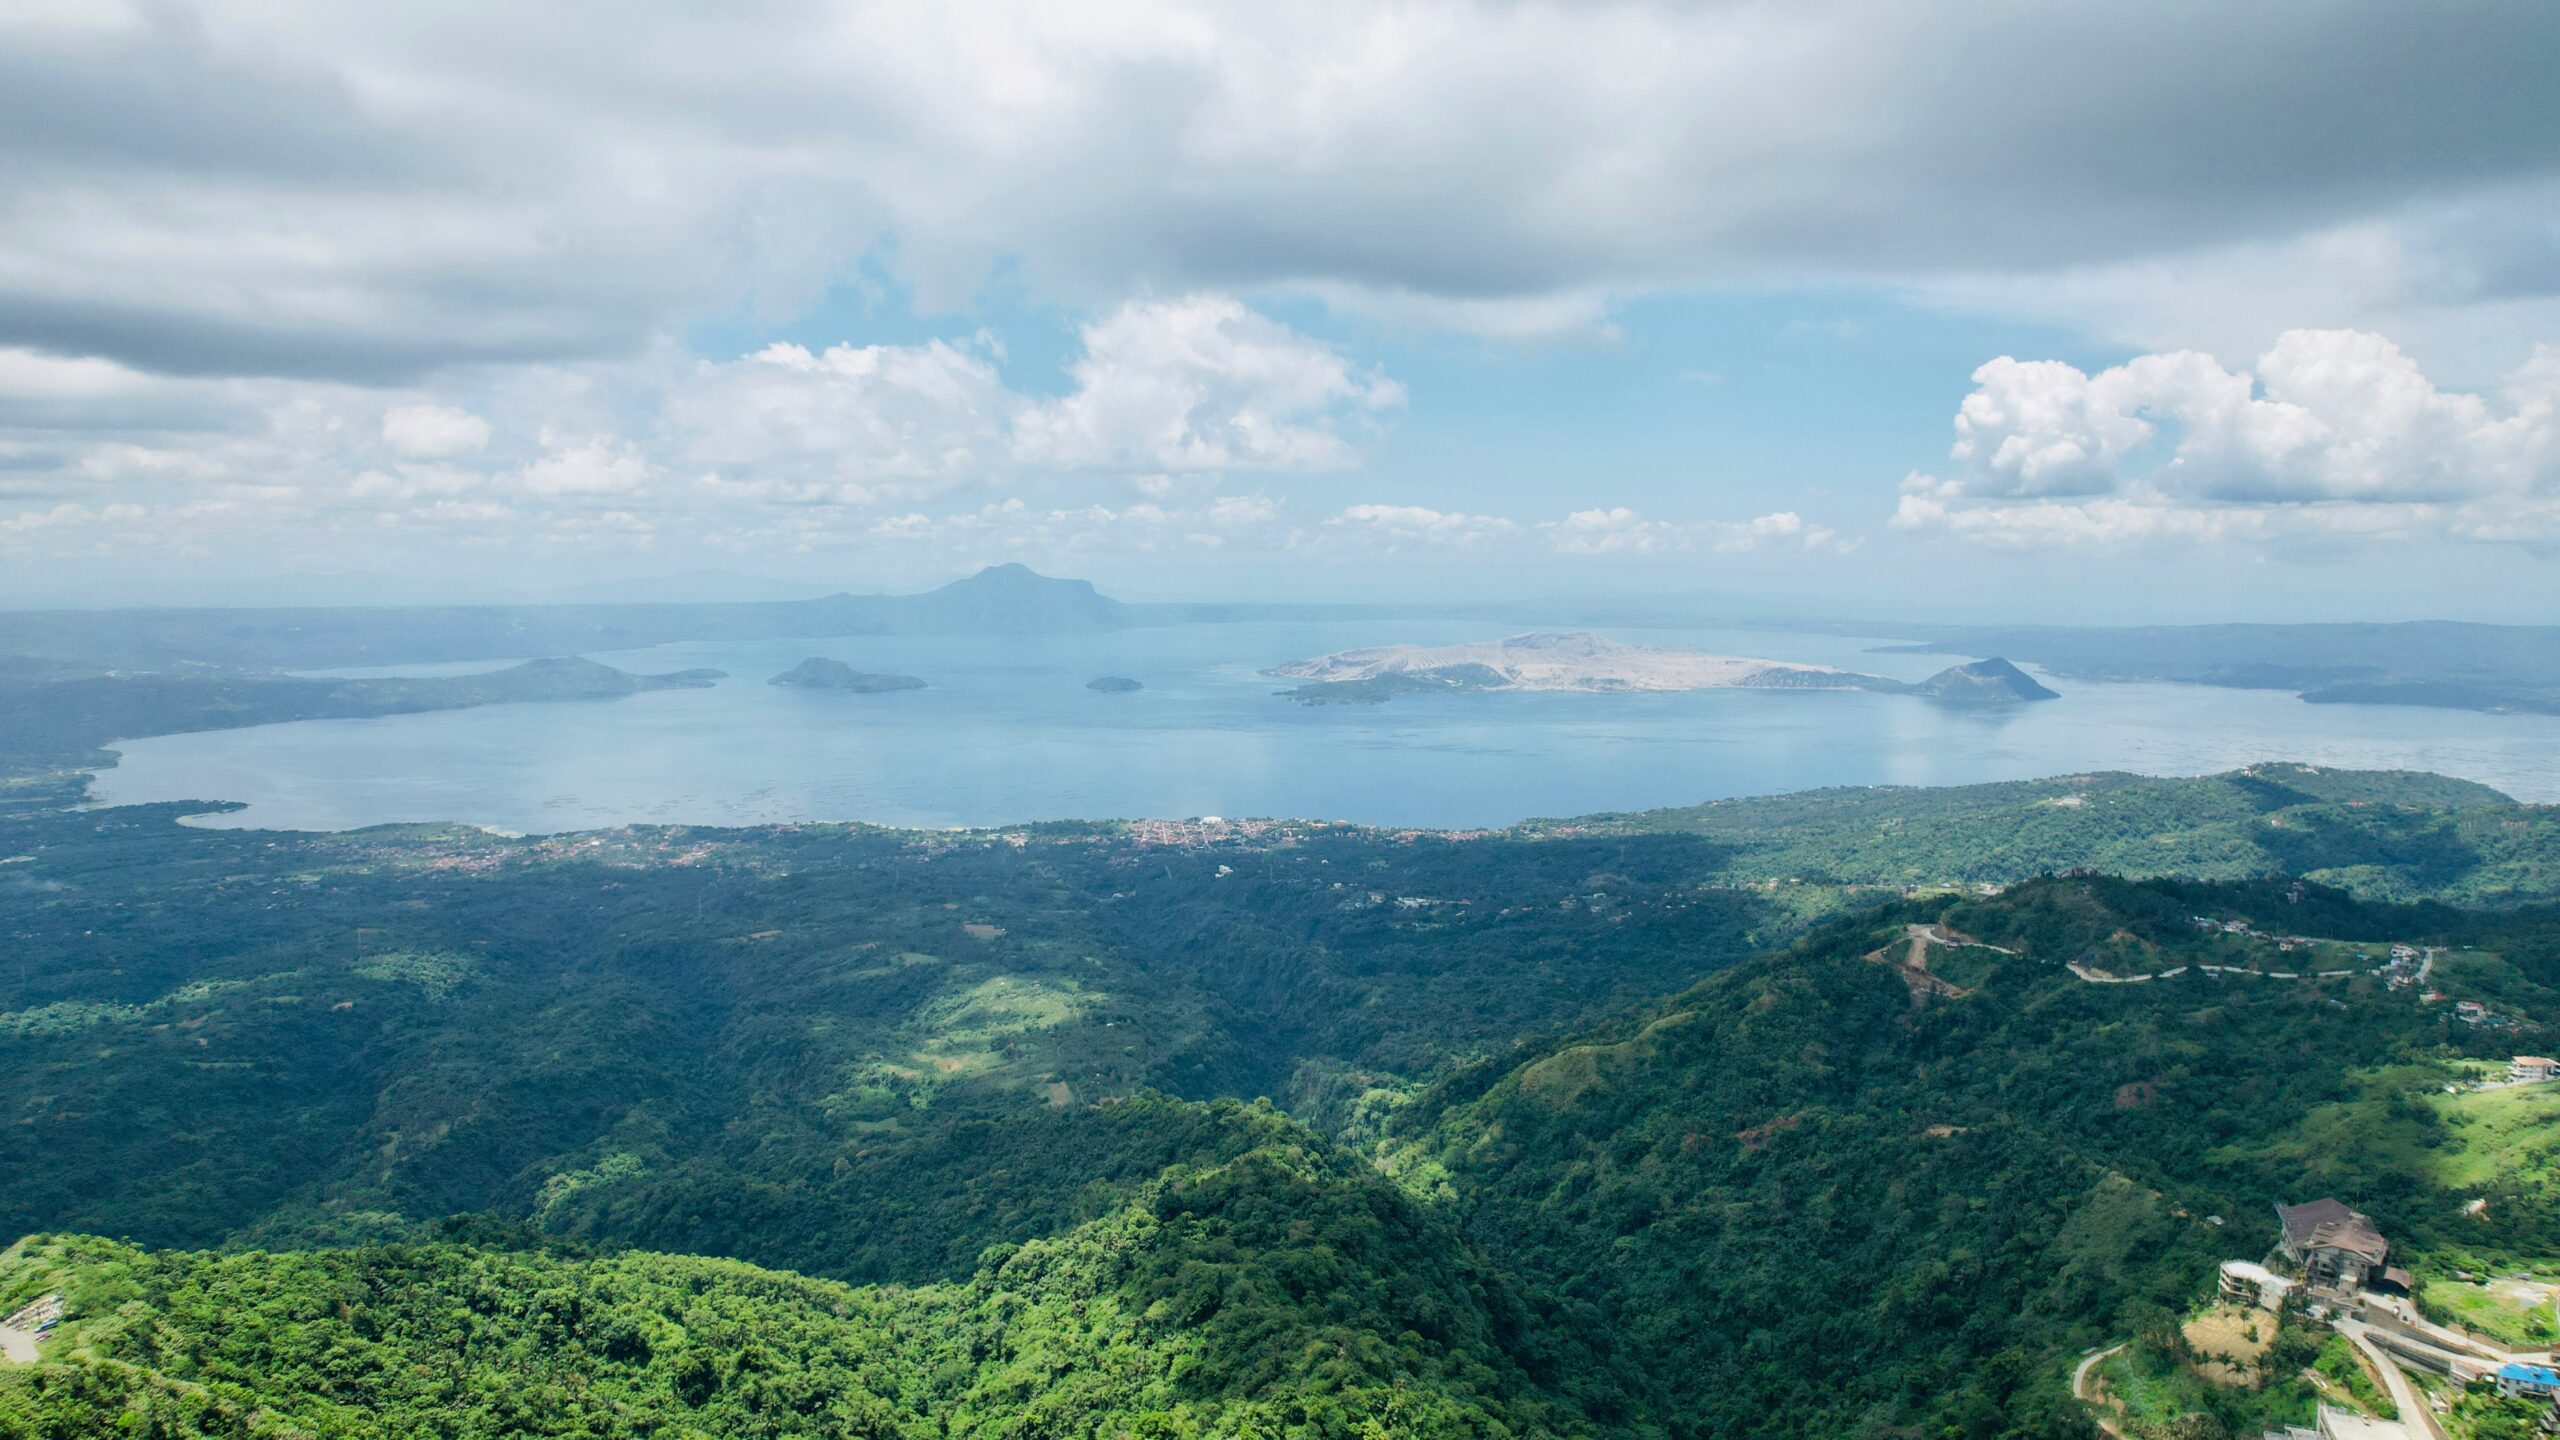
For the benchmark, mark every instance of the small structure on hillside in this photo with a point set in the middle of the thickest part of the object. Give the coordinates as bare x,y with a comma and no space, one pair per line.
2336,1248
2532,1069
2253,1284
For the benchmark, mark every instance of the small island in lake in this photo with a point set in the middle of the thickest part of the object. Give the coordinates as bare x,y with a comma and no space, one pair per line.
1580,661
819,673
1114,684
1984,682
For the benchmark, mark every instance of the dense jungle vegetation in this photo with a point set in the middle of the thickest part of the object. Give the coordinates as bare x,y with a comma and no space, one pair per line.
1628,1126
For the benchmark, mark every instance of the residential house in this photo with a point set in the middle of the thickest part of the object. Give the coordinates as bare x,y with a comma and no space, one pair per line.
2336,1248
2520,1381
2527,1069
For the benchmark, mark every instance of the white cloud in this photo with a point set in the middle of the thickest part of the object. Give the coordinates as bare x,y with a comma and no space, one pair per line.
1620,531
716,454
433,432
2338,433
586,465
1611,531
1396,525
1201,383
860,414
1167,393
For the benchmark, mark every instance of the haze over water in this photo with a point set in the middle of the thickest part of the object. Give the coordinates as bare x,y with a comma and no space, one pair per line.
1009,733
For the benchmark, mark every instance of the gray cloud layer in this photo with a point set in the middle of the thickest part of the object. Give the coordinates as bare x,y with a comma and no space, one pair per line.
369,193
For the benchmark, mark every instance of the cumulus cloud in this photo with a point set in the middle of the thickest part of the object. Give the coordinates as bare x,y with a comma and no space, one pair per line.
1201,383
2336,433
585,465
857,414
787,447
1161,390
433,432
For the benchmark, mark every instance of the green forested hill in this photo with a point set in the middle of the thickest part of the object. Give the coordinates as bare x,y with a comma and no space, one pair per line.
1797,1160
2387,835
1683,1223
1281,1293
1580,1131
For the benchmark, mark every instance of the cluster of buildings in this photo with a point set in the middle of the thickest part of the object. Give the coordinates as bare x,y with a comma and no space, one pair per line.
1212,829
2341,1254
2336,1248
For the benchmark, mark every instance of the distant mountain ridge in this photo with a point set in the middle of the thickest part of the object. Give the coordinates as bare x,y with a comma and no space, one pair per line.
1001,599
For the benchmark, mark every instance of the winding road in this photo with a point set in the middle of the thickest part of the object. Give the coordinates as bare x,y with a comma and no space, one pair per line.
2086,1393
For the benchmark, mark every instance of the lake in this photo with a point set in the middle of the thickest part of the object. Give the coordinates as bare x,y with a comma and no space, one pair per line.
1007,732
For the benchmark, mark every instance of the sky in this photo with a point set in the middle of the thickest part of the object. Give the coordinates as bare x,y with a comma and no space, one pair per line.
2092,313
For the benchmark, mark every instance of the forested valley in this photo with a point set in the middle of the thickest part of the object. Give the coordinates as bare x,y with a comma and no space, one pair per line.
1643,1126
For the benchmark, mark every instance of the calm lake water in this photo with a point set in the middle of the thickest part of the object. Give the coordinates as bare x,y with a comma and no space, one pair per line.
1009,733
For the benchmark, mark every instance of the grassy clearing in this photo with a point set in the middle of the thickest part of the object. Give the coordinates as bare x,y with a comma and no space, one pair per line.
2499,1134
1563,1077
2517,1313
1002,1006
435,972
2402,1123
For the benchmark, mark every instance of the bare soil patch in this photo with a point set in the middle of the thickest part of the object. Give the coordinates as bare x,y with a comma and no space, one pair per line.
2229,1340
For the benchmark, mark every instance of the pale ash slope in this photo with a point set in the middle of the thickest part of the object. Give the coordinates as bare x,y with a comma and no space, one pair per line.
1569,660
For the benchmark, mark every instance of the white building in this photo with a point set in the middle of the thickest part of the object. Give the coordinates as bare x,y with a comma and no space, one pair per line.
2254,1284
2527,1069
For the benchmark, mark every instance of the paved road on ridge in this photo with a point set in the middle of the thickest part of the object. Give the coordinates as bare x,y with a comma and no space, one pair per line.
2414,1413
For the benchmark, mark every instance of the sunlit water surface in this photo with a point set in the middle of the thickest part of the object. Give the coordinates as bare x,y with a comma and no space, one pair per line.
1008,732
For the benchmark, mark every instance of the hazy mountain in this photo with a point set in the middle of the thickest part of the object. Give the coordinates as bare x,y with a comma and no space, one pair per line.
1006,599
1011,598
1984,682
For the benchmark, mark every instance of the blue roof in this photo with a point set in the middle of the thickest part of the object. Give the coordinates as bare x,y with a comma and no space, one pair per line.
2530,1374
